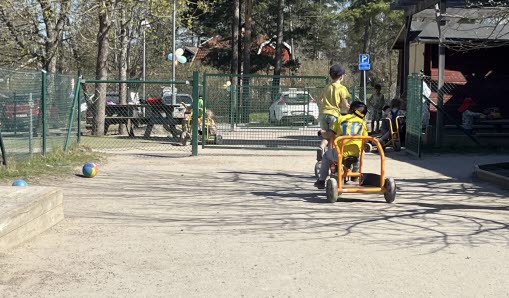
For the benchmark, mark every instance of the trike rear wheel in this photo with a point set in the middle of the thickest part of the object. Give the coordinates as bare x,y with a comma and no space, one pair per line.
390,187
331,189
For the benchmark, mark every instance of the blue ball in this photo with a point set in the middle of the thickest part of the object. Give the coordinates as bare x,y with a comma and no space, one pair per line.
20,182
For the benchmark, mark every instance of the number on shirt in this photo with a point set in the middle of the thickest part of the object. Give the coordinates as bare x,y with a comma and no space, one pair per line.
355,128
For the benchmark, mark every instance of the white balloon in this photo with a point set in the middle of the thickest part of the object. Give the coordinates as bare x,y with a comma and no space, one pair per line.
179,52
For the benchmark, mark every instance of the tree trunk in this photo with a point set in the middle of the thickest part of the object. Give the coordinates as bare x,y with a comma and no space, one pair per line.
235,36
248,8
239,42
235,60
279,50
122,67
101,72
279,41
54,22
247,36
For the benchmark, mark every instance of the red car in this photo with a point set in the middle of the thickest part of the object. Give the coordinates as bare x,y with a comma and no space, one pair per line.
17,112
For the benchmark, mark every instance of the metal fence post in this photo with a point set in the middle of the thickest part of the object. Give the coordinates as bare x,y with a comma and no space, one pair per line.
71,115
44,103
78,108
233,102
2,148
194,135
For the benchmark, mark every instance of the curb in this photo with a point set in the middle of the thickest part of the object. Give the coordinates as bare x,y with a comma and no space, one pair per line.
26,212
488,176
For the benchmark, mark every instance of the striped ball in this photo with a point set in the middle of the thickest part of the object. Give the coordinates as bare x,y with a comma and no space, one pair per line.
90,169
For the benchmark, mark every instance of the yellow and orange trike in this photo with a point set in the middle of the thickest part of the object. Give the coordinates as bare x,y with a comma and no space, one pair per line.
341,173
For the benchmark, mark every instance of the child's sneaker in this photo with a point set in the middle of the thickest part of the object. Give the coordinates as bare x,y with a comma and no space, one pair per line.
320,184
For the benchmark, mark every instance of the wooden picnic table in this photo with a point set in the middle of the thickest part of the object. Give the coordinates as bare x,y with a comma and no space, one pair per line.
130,116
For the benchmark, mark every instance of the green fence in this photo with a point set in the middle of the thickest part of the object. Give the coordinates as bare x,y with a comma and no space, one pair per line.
414,117
34,111
259,111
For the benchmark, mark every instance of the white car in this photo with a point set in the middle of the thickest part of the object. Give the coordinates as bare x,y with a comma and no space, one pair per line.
294,106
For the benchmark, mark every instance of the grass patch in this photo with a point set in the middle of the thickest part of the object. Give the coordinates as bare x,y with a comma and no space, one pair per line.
259,117
56,163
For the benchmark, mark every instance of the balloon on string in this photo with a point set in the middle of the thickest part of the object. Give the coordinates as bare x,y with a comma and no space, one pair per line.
228,83
182,59
179,52
170,57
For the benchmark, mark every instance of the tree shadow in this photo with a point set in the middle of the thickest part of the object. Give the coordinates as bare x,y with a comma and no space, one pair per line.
428,214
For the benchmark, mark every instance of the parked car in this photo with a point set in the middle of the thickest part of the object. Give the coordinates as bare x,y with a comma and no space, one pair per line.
16,112
182,103
294,106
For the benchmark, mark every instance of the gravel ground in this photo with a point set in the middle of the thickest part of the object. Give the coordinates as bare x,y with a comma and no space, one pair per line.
250,223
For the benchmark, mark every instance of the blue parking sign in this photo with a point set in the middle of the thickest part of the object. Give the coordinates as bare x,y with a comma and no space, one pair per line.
364,59
365,66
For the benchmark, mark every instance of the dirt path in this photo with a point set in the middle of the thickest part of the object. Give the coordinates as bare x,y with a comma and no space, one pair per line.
250,223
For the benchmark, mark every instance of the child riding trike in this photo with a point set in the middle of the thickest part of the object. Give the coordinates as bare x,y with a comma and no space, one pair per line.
207,128
341,174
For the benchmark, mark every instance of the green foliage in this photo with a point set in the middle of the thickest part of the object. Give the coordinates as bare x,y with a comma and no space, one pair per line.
382,25
321,31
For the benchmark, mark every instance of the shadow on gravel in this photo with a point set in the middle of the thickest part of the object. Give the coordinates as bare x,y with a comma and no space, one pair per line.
429,214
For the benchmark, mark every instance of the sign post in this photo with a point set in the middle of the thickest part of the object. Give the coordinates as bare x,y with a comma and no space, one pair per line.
363,66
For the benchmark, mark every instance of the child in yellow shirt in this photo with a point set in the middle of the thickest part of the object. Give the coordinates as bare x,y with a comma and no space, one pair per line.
351,124
334,102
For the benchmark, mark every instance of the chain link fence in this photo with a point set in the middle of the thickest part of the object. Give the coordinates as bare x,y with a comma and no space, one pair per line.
136,115
34,112
259,111
414,116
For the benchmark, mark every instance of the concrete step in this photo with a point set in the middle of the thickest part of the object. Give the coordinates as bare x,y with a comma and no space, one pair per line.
26,212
